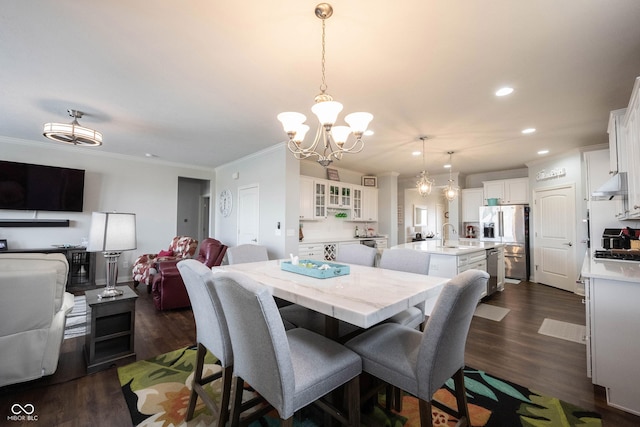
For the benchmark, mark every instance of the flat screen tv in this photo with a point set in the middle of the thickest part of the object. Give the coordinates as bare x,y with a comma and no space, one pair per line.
40,188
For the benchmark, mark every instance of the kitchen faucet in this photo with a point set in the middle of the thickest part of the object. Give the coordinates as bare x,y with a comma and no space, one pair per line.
443,227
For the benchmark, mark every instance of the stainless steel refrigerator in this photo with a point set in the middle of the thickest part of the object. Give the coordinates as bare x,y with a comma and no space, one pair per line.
508,224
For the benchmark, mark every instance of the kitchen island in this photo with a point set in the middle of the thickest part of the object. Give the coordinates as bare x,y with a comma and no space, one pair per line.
457,256
612,295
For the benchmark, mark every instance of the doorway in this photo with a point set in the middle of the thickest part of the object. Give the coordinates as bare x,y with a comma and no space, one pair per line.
193,208
554,237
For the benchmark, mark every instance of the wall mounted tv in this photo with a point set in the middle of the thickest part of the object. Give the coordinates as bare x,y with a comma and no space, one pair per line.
40,188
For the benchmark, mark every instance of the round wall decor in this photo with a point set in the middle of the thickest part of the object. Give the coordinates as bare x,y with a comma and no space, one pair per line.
225,202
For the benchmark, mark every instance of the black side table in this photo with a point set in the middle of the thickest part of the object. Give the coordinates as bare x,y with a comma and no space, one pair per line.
111,328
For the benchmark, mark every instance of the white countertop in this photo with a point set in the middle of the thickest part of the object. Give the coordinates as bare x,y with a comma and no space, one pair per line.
624,271
463,247
338,239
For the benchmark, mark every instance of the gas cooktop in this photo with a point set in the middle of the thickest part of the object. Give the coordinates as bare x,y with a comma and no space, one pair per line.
618,255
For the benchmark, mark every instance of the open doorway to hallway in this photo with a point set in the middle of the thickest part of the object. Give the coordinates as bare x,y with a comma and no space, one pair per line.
193,208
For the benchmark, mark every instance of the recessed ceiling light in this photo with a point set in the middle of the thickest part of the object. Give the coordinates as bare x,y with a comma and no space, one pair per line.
541,152
447,166
416,153
529,130
368,132
150,155
504,91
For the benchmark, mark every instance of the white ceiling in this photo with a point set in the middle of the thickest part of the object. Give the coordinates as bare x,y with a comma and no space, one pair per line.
201,82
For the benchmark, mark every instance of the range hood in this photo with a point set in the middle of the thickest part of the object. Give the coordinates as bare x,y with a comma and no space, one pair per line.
615,186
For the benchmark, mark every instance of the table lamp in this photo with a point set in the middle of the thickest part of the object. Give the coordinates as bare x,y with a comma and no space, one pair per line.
112,233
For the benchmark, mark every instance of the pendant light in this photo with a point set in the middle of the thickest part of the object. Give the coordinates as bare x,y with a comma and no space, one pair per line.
424,184
451,190
330,142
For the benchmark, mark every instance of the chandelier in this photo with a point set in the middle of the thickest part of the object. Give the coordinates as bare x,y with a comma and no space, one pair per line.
451,190
72,133
330,142
424,184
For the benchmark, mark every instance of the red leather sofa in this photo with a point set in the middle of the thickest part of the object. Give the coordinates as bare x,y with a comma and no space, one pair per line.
168,289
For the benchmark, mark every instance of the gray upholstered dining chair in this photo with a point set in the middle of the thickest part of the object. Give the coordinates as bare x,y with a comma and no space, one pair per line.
411,261
421,362
306,318
357,254
246,253
212,334
293,368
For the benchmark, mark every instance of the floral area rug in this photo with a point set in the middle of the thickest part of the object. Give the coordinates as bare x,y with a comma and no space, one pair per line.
157,394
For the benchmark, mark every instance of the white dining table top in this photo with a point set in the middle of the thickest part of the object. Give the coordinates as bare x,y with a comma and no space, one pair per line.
365,297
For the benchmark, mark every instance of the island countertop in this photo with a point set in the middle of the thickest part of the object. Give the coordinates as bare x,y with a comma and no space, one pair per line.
461,247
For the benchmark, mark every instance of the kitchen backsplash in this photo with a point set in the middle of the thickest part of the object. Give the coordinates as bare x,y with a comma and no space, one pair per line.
333,228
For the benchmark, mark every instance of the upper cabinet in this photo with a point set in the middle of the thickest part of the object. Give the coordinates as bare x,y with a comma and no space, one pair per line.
306,197
617,145
317,195
339,195
508,191
356,210
313,198
369,204
472,199
631,124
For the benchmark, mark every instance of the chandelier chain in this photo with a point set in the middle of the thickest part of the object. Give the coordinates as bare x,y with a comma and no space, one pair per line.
323,86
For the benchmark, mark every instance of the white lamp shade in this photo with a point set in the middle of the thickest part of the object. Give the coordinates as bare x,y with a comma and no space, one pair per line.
340,134
112,232
358,121
291,120
301,132
327,111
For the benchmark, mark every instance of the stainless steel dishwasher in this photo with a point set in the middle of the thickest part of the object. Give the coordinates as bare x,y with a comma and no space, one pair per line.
492,269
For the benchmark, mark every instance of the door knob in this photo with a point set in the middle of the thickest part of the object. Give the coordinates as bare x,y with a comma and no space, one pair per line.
568,244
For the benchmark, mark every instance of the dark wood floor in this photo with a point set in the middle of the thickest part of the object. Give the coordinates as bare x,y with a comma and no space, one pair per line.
511,349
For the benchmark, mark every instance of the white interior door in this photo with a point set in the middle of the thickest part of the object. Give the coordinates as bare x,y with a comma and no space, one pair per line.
248,214
554,237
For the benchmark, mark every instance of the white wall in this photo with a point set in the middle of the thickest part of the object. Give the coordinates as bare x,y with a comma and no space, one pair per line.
277,173
146,187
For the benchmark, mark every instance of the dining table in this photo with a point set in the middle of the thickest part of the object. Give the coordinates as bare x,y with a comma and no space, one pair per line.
364,297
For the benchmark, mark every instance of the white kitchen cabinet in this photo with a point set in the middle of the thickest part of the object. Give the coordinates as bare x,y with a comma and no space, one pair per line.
339,195
369,204
617,146
313,198
311,251
452,265
632,140
472,200
615,340
357,203
306,198
320,251
320,199
501,269
508,191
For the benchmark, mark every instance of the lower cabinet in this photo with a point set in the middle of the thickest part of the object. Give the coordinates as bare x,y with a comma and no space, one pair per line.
452,265
318,251
613,338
